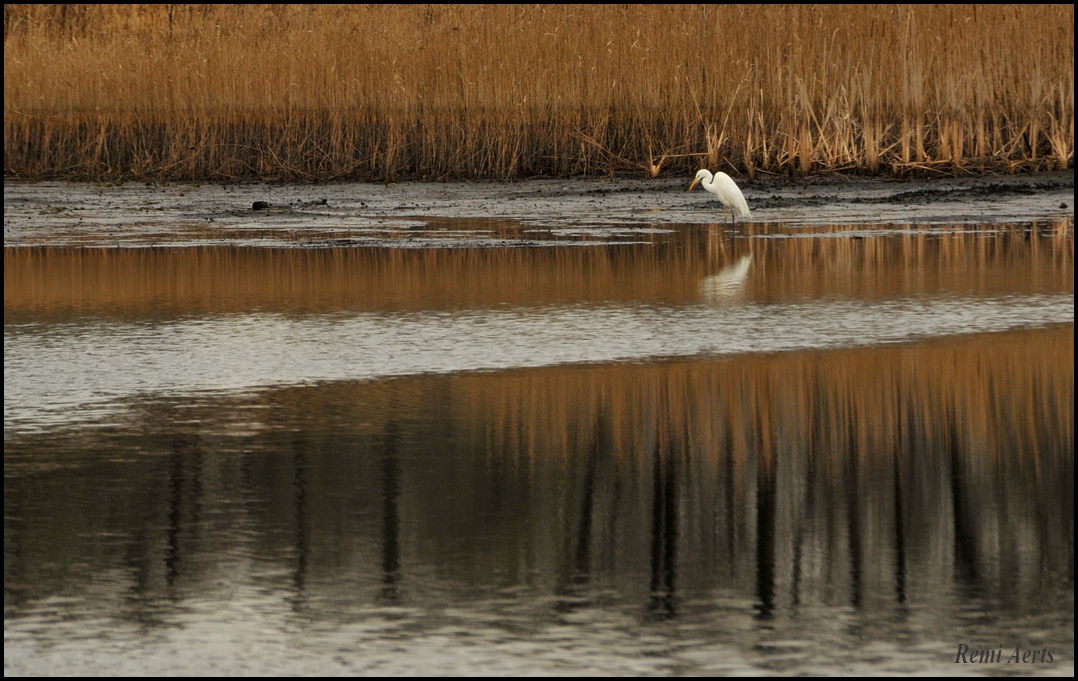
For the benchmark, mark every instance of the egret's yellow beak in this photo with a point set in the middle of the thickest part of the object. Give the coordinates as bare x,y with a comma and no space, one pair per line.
693,183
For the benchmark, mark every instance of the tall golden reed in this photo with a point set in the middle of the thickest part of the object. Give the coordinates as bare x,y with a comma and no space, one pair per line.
378,92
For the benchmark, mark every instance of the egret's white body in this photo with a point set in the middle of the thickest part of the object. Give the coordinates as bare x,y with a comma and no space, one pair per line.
724,189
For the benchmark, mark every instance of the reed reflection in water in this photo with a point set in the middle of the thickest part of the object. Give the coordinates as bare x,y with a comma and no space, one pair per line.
282,481
131,322
670,267
785,512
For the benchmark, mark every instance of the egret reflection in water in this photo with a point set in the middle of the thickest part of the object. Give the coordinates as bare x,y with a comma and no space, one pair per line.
728,283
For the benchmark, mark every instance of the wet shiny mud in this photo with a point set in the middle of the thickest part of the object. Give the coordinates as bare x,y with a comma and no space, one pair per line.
478,214
648,449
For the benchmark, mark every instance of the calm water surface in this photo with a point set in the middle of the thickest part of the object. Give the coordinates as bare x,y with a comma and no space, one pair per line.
693,451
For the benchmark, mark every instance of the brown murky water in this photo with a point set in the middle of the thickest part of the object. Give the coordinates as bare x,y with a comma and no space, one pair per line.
688,450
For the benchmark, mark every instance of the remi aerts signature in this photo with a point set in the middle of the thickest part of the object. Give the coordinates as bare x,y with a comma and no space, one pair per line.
1002,655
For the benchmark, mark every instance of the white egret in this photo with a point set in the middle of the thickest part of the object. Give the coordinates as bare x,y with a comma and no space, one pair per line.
724,189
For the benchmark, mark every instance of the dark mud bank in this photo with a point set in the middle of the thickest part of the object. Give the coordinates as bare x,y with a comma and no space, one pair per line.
418,214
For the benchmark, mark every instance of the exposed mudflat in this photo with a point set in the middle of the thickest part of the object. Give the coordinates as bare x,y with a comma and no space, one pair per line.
412,214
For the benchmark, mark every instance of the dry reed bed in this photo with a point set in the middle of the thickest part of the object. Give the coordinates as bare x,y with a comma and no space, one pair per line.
380,92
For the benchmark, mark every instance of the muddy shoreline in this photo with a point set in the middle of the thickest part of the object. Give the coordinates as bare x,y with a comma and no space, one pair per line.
419,214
